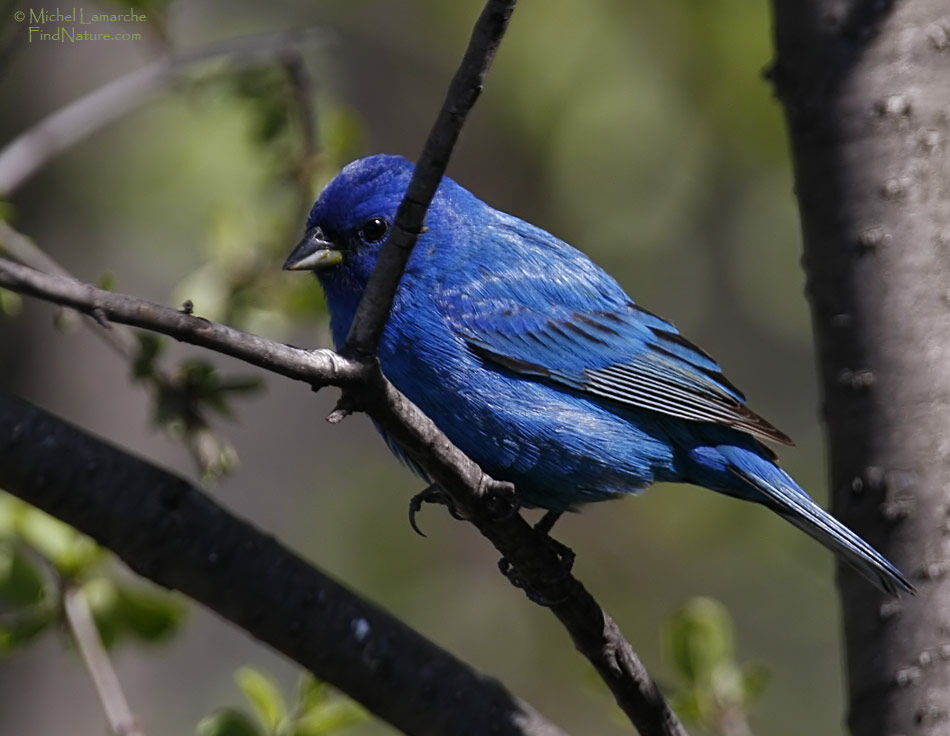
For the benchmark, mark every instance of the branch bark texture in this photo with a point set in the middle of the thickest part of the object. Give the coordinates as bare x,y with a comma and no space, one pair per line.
866,90
168,531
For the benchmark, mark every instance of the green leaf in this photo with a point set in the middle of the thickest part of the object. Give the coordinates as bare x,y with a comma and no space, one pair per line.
11,509
328,718
107,281
755,677
321,710
10,302
688,705
21,582
149,615
700,640
69,551
21,628
103,597
310,693
150,347
264,696
227,722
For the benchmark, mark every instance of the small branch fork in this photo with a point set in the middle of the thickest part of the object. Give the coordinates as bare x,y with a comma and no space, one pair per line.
539,565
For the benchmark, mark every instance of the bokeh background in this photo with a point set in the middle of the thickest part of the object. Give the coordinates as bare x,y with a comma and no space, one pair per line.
644,133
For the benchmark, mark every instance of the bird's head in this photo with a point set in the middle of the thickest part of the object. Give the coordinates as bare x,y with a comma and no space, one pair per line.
349,223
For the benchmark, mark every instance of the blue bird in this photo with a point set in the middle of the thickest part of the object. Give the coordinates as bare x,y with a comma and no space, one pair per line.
537,365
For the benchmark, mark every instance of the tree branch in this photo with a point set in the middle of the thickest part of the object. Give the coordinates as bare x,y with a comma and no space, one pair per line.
864,87
170,532
594,633
317,367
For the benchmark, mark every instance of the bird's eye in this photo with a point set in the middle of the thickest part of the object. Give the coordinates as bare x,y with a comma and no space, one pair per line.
373,229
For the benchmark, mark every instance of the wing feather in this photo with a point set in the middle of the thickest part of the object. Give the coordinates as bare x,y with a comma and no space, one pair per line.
552,314
611,357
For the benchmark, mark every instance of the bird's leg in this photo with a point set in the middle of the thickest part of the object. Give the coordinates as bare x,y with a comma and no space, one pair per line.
564,554
432,494
546,523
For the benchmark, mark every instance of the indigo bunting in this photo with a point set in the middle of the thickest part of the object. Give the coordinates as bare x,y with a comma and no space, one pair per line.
537,365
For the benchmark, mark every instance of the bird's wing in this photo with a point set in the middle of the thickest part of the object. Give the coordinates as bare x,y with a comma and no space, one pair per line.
539,322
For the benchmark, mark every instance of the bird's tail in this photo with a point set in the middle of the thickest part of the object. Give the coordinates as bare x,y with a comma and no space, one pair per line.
779,492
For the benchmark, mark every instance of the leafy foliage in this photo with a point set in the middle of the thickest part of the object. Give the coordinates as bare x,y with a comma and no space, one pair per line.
183,400
10,303
315,710
40,555
715,690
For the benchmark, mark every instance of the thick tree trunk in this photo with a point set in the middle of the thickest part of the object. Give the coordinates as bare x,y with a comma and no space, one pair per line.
866,89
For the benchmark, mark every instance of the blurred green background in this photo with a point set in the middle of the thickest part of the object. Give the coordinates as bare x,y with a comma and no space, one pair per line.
643,133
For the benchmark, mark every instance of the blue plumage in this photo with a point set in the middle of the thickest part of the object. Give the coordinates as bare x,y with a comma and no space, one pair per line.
537,364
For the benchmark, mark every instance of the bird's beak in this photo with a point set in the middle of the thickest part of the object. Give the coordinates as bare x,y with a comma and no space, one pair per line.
313,253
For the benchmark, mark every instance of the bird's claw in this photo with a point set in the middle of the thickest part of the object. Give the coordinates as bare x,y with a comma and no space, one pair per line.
564,554
432,494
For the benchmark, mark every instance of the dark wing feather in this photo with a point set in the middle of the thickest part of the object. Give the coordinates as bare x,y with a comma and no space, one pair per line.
624,354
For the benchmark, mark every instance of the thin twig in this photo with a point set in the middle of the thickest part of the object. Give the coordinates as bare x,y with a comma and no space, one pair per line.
317,367
463,91
31,150
79,617
23,249
301,90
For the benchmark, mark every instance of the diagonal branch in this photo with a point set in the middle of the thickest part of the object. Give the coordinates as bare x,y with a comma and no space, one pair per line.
173,534
317,367
594,633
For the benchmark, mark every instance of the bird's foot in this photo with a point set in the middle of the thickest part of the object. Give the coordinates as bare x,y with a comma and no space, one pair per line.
432,494
500,499
565,557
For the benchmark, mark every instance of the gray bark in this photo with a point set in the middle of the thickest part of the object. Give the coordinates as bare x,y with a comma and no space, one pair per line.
866,90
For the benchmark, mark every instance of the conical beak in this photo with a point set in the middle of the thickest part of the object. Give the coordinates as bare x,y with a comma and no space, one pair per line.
313,253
